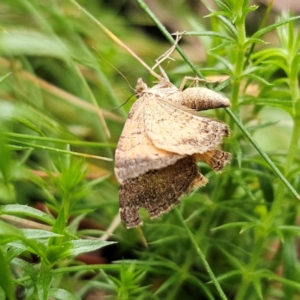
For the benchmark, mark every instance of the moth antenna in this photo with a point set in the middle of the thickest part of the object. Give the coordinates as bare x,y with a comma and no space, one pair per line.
118,71
122,103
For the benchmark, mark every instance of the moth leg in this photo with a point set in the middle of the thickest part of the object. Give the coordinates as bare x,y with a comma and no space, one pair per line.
167,54
195,80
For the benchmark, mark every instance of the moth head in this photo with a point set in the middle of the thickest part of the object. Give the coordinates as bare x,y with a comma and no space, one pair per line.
140,86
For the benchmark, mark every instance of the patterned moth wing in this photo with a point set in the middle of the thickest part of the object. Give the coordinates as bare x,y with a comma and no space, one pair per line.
158,190
159,131
163,138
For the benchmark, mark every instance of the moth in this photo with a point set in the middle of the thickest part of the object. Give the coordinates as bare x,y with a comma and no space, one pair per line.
161,142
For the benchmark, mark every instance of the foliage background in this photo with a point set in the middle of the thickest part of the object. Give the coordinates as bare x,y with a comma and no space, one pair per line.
237,238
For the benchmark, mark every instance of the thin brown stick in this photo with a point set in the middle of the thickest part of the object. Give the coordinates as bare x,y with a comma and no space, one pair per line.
116,39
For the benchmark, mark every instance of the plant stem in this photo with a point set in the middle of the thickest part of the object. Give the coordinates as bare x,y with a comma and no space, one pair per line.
202,257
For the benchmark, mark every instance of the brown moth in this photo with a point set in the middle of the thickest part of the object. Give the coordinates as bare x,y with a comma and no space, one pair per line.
163,138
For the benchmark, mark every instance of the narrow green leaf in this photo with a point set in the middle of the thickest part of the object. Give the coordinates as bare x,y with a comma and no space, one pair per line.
209,33
82,246
229,25
2,78
24,210
257,287
38,233
273,26
257,78
229,225
6,278
221,46
27,268
25,42
75,247
62,294
229,275
255,41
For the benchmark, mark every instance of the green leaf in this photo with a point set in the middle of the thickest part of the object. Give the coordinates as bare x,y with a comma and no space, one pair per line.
10,234
38,233
62,294
273,26
29,124
24,210
257,78
29,42
76,247
229,275
44,280
290,228
255,41
27,268
221,46
209,33
283,104
257,286
229,25
2,78
6,278
223,6
229,225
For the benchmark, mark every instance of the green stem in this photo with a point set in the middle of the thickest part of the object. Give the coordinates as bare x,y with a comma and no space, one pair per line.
263,154
248,274
202,257
184,270
168,36
44,280
239,65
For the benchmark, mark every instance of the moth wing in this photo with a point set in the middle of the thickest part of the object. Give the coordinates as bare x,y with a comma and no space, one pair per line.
159,190
216,159
135,153
175,130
